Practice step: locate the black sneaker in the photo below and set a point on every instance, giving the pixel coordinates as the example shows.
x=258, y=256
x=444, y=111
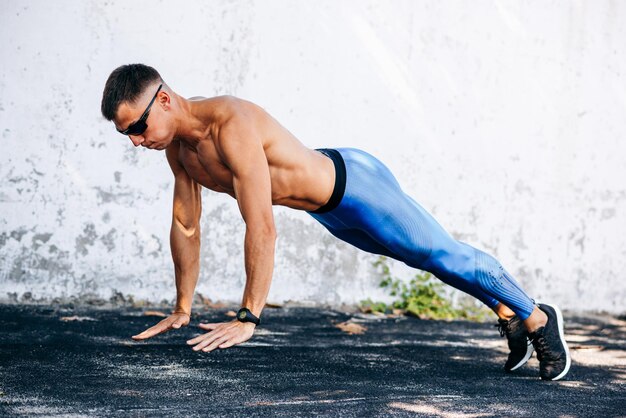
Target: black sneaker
x=549, y=342
x=517, y=338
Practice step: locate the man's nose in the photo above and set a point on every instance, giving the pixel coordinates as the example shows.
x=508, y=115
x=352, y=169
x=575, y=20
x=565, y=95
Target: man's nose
x=136, y=139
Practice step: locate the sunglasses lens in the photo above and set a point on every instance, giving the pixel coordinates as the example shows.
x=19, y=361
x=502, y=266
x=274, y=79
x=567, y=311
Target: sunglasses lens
x=136, y=128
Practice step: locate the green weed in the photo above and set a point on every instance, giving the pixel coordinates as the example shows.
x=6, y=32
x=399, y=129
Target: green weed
x=421, y=297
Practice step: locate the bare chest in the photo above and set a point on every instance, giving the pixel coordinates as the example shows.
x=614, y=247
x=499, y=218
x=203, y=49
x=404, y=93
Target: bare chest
x=205, y=166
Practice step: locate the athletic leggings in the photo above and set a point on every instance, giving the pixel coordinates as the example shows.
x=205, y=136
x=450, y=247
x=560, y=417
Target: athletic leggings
x=369, y=210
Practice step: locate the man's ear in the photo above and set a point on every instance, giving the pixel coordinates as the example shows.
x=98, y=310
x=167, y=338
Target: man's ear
x=164, y=100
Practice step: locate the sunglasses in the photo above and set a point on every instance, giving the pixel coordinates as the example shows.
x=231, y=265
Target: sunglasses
x=139, y=127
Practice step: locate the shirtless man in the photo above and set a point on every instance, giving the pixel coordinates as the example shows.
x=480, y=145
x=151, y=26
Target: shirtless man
x=233, y=146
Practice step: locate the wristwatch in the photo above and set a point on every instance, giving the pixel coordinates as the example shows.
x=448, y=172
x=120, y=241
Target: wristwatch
x=244, y=315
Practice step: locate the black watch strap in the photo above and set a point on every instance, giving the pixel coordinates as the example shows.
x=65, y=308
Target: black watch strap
x=244, y=315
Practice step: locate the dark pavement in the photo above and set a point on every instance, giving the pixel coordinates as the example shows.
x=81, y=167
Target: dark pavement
x=297, y=364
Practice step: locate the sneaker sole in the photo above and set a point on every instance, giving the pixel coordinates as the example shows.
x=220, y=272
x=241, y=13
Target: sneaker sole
x=568, y=359
x=529, y=352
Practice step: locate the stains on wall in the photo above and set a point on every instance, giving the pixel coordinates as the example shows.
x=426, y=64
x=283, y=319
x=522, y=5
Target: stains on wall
x=109, y=239
x=40, y=239
x=86, y=239
x=25, y=253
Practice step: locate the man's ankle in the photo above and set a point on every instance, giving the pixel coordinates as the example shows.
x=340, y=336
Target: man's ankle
x=504, y=312
x=536, y=320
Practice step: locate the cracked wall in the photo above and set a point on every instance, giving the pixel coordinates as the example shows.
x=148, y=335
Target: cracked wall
x=504, y=120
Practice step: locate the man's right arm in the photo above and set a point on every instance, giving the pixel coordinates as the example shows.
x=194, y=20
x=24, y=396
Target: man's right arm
x=185, y=232
x=184, y=243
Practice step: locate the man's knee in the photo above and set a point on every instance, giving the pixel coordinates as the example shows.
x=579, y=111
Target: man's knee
x=469, y=264
x=489, y=272
x=456, y=259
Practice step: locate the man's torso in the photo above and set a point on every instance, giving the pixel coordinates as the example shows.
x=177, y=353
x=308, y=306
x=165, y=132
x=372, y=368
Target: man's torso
x=301, y=178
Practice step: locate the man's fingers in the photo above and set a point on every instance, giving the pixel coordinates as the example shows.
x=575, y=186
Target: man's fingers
x=197, y=339
x=220, y=334
x=164, y=325
x=180, y=322
x=201, y=337
x=228, y=343
x=210, y=337
x=150, y=332
x=217, y=342
x=208, y=326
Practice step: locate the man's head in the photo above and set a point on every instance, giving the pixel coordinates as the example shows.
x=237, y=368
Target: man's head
x=137, y=100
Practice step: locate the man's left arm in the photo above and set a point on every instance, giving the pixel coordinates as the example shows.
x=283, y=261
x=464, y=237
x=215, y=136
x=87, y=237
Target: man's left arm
x=242, y=151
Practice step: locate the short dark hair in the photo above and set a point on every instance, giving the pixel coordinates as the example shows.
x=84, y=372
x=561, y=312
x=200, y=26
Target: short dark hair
x=125, y=84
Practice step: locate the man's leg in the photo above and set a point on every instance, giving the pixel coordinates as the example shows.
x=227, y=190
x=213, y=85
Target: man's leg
x=375, y=205
x=508, y=323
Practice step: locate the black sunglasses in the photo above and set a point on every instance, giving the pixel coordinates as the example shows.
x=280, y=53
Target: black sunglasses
x=139, y=127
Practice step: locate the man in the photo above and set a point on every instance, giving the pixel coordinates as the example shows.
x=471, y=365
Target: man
x=232, y=146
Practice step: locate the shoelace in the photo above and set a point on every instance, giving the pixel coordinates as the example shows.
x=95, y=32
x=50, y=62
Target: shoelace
x=504, y=327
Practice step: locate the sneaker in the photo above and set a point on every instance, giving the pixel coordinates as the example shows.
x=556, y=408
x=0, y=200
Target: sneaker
x=517, y=338
x=549, y=342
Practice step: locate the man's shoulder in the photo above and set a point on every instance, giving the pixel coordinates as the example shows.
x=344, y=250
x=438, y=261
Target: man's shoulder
x=238, y=113
x=227, y=108
x=226, y=100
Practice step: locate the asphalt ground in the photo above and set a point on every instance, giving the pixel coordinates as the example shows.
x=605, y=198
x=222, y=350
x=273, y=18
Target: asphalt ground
x=60, y=361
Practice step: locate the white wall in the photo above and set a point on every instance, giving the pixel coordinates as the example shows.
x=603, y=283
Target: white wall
x=506, y=120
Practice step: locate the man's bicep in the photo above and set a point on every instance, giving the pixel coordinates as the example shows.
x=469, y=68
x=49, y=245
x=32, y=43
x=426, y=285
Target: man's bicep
x=243, y=153
x=254, y=197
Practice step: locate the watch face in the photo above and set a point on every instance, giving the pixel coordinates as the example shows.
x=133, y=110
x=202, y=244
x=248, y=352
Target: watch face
x=242, y=314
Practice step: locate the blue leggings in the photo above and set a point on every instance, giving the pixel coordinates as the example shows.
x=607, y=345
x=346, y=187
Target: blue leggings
x=369, y=210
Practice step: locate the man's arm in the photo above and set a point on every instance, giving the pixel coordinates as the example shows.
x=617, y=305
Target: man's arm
x=185, y=233
x=184, y=243
x=241, y=149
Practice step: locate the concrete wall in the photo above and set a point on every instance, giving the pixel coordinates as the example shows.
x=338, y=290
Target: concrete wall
x=506, y=120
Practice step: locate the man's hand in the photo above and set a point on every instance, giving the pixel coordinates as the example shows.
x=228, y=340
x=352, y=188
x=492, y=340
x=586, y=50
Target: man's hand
x=174, y=321
x=222, y=335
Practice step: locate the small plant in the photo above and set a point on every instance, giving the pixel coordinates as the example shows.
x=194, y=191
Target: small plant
x=421, y=297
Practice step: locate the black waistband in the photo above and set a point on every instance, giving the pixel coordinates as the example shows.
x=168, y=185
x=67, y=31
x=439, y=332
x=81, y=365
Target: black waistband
x=340, y=180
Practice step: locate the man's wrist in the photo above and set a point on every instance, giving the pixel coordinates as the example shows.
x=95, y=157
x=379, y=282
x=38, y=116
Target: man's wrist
x=246, y=315
x=253, y=307
x=182, y=310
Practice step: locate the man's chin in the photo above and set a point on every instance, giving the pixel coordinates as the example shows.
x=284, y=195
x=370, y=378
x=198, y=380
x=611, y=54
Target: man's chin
x=161, y=147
